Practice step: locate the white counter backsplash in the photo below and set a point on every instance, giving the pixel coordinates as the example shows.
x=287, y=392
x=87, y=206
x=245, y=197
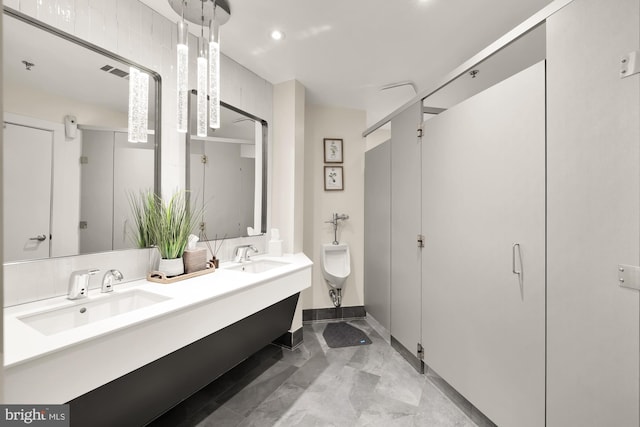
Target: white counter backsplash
x=29, y=281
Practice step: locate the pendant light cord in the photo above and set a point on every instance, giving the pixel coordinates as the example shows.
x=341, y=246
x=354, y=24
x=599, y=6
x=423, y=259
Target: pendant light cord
x=202, y=20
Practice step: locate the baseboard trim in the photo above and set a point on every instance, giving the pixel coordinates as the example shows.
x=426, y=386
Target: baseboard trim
x=417, y=364
x=289, y=340
x=335, y=313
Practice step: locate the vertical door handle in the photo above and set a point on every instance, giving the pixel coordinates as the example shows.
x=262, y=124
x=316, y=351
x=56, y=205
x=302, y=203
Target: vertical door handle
x=513, y=258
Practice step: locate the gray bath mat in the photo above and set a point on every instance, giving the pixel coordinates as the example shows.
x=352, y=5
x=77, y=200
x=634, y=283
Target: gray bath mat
x=343, y=334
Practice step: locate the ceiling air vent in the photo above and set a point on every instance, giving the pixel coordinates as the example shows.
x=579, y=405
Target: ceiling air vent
x=115, y=71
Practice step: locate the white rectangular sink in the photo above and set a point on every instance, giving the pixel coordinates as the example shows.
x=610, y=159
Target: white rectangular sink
x=53, y=321
x=258, y=266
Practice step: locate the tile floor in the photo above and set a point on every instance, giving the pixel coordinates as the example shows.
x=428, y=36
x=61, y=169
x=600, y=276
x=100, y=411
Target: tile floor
x=314, y=385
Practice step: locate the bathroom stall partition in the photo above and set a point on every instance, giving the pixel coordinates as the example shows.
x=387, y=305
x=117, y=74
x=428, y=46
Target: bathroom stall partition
x=593, y=338
x=483, y=205
x=406, y=265
x=377, y=233
x=524, y=311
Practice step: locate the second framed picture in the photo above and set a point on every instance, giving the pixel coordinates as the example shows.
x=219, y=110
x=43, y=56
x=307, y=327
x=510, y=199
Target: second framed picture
x=332, y=150
x=333, y=180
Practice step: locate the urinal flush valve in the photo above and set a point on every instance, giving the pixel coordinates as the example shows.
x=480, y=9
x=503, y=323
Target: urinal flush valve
x=334, y=221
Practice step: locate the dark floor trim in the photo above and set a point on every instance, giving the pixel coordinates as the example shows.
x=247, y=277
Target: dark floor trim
x=336, y=313
x=459, y=400
x=289, y=340
x=417, y=364
x=142, y=395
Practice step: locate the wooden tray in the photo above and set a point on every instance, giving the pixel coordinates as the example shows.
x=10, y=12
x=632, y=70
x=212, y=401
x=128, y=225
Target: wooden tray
x=159, y=277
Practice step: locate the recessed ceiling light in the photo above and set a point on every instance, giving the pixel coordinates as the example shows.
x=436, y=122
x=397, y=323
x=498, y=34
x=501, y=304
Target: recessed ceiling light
x=277, y=35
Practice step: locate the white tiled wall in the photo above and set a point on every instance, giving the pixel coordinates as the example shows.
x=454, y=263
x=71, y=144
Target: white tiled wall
x=136, y=32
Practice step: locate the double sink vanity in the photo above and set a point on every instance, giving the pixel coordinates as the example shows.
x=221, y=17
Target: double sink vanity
x=148, y=343
x=124, y=357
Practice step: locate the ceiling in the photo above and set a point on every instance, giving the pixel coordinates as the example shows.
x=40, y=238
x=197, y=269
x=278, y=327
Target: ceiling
x=343, y=51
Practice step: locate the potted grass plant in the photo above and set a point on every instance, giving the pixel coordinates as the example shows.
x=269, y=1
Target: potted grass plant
x=165, y=225
x=175, y=222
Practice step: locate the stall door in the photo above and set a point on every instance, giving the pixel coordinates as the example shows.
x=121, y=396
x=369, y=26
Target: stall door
x=26, y=169
x=483, y=269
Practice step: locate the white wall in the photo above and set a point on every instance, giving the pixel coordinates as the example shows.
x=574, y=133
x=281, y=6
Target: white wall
x=378, y=137
x=24, y=100
x=288, y=170
x=288, y=163
x=347, y=124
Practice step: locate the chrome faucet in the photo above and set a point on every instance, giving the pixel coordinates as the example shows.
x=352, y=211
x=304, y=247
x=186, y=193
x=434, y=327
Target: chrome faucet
x=107, y=279
x=79, y=283
x=242, y=252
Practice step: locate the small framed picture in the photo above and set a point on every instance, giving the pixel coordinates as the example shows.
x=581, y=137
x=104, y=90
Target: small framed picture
x=333, y=180
x=332, y=150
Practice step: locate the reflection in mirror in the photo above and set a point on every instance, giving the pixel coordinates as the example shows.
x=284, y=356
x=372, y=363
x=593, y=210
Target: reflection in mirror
x=226, y=173
x=67, y=165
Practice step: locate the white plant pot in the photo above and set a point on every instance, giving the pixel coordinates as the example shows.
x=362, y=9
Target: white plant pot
x=171, y=267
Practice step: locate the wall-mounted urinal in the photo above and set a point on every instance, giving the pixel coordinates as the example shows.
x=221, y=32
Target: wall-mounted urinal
x=336, y=267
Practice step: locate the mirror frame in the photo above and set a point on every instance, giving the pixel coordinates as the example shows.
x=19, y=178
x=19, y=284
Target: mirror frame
x=265, y=157
x=97, y=49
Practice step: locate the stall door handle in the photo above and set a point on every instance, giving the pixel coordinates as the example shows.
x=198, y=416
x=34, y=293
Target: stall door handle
x=39, y=238
x=513, y=259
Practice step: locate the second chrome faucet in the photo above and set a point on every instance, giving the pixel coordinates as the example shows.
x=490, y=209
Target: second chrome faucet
x=242, y=252
x=107, y=279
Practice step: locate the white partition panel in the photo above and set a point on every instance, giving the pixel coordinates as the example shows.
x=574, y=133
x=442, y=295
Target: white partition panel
x=483, y=185
x=377, y=233
x=593, y=215
x=405, y=227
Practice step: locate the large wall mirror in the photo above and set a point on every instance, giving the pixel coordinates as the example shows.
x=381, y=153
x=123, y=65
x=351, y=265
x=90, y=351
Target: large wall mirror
x=226, y=173
x=66, y=188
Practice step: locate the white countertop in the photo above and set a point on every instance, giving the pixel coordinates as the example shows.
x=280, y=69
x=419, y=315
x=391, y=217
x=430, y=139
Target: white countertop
x=22, y=343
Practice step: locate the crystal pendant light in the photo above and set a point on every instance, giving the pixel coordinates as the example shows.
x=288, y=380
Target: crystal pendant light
x=214, y=72
x=201, y=100
x=183, y=75
x=138, y=105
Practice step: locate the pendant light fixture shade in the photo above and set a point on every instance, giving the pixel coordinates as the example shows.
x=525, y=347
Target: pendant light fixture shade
x=202, y=88
x=214, y=76
x=200, y=13
x=202, y=70
x=182, y=76
x=138, y=105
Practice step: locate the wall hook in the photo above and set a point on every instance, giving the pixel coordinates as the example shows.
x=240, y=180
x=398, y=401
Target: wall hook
x=28, y=65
